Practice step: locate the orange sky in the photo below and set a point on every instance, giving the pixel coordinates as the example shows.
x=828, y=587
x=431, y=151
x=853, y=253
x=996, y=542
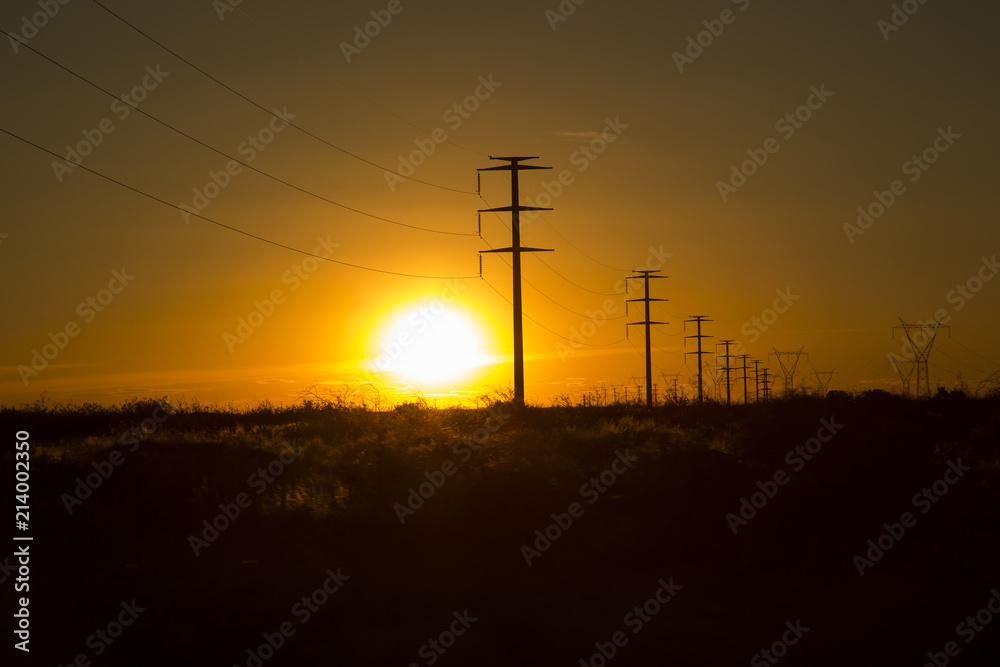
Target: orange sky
x=733, y=165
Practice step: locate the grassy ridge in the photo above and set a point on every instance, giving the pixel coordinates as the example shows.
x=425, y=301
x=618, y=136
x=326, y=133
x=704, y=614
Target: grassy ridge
x=337, y=505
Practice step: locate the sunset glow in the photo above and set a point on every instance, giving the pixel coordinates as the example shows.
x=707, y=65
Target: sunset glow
x=431, y=345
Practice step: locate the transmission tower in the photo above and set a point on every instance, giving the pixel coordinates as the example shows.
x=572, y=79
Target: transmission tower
x=823, y=379
x=921, y=343
x=904, y=369
x=645, y=275
x=698, y=319
x=516, y=249
x=788, y=370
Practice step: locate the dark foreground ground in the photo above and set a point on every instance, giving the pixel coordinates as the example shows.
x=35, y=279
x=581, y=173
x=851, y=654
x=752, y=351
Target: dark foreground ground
x=932, y=567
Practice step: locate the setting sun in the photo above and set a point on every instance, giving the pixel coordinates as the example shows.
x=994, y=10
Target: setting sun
x=429, y=344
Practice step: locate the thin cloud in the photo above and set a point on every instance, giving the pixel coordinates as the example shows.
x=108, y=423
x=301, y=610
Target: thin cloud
x=588, y=134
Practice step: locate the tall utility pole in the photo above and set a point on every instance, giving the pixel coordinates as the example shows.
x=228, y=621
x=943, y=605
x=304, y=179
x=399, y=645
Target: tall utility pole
x=744, y=357
x=516, y=249
x=645, y=275
x=756, y=380
x=698, y=319
x=921, y=344
x=727, y=357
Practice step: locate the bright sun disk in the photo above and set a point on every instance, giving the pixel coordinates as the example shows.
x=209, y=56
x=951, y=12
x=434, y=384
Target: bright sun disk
x=429, y=346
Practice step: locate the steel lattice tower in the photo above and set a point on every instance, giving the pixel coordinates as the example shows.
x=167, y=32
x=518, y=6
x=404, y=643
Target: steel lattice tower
x=921, y=350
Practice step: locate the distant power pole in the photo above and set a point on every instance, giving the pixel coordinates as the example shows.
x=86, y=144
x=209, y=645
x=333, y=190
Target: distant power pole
x=698, y=319
x=756, y=380
x=727, y=357
x=675, y=376
x=767, y=384
x=516, y=249
x=744, y=357
x=921, y=344
x=645, y=275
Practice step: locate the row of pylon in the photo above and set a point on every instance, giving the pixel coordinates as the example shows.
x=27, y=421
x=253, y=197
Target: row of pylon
x=762, y=376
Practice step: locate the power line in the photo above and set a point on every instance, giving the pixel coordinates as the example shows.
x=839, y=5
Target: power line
x=228, y=157
x=268, y=111
x=546, y=265
x=568, y=310
x=958, y=361
x=229, y=227
x=655, y=365
x=500, y=294
x=334, y=78
x=574, y=283
x=974, y=352
x=572, y=245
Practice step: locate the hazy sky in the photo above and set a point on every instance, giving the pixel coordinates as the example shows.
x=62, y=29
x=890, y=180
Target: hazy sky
x=729, y=143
